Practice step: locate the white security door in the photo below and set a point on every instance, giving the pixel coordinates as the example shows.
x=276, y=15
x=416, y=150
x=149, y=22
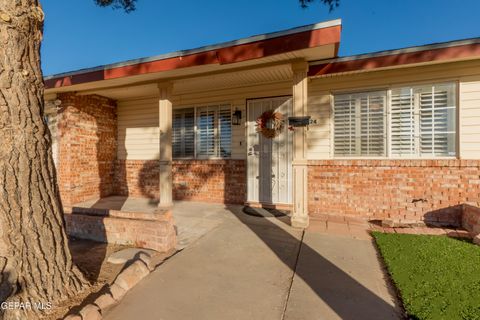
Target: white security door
x=269, y=160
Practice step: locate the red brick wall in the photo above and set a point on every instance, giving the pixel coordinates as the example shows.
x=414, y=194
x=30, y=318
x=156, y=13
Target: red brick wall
x=87, y=128
x=137, y=178
x=220, y=181
x=406, y=190
x=154, y=231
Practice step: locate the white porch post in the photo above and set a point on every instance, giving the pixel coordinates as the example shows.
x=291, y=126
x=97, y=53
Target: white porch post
x=165, y=157
x=300, y=217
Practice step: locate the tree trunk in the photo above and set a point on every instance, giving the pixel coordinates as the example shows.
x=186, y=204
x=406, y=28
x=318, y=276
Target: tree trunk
x=35, y=262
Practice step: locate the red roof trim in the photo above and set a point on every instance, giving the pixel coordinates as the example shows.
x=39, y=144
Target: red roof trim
x=441, y=54
x=233, y=54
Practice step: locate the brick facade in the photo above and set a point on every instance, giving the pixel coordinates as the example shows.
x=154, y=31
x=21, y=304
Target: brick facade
x=220, y=181
x=403, y=190
x=87, y=135
x=137, y=178
x=152, y=231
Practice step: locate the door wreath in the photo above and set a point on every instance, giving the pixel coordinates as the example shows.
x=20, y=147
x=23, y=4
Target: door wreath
x=270, y=117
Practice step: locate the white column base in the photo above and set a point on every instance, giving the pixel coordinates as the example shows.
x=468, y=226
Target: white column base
x=300, y=221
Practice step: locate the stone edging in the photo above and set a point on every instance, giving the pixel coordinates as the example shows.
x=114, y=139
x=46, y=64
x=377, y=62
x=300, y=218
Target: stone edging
x=138, y=268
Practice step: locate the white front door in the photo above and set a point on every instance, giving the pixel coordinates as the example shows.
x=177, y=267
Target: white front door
x=269, y=160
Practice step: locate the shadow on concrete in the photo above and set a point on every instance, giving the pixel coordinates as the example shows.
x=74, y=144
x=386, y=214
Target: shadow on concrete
x=348, y=298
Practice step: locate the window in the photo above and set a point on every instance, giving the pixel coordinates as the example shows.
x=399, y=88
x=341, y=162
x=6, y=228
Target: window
x=421, y=122
x=203, y=132
x=183, y=133
x=359, y=124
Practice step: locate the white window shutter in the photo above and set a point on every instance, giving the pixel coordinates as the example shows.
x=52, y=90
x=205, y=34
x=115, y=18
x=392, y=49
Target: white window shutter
x=177, y=125
x=437, y=120
x=359, y=124
x=224, y=131
x=183, y=133
x=189, y=133
x=344, y=125
x=373, y=120
x=402, y=122
x=206, y=146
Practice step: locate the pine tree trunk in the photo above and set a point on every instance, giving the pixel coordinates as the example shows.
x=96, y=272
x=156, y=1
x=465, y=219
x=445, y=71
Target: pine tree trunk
x=35, y=262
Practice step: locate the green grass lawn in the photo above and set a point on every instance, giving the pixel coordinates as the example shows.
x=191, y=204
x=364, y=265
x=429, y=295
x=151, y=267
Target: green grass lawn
x=437, y=277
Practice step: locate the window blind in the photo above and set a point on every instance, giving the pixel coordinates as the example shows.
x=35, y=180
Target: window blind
x=344, y=125
x=402, y=122
x=372, y=120
x=423, y=121
x=214, y=131
x=359, y=124
x=183, y=133
x=437, y=120
x=225, y=131
x=206, y=131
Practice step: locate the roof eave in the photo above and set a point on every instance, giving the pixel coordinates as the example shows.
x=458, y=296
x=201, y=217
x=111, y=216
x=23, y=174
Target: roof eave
x=226, y=53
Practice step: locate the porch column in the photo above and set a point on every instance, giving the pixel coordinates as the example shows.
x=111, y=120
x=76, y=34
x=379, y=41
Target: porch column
x=300, y=95
x=165, y=156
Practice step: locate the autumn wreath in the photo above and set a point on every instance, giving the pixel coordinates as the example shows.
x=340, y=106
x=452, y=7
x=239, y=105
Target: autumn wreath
x=270, y=124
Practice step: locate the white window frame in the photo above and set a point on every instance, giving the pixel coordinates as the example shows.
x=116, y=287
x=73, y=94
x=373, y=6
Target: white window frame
x=195, y=108
x=388, y=152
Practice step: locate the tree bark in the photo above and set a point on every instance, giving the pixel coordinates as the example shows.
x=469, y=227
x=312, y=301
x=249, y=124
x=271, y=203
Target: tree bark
x=35, y=262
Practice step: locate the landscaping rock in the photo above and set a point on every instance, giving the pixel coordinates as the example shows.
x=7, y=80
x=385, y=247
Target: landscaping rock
x=388, y=223
x=147, y=259
x=476, y=239
x=117, y=292
x=129, y=277
x=73, y=317
x=90, y=312
x=122, y=256
x=104, y=301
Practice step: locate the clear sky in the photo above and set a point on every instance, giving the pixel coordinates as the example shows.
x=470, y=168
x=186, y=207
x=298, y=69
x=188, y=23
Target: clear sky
x=79, y=34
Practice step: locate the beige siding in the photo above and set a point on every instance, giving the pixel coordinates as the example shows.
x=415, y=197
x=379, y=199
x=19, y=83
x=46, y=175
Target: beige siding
x=470, y=117
x=138, y=133
x=466, y=73
x=138, y=119
x=237, y=97
x=318, y=135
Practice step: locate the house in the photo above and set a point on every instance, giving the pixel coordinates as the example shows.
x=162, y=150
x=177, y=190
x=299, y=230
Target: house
x=277, y=120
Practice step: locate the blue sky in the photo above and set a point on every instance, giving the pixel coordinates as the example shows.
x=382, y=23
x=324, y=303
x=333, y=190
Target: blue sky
x=79, y=35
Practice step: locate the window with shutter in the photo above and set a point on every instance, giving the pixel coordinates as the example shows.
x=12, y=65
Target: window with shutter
x=183, y=133
x=359, y=124
x=372, y=122
x=402, y=122
x=206, y=131
x=225, y=131
x=344, y=125
x=437, y=120
x=214, y=131
x=422, y=122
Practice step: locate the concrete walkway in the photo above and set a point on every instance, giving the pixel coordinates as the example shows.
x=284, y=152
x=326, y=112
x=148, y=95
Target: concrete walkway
x=243, y=267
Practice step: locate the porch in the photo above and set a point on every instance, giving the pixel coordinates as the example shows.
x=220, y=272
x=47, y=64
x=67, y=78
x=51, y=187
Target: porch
x=192, y=220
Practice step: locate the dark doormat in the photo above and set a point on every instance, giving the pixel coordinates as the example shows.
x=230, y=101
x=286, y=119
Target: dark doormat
x=264, y=212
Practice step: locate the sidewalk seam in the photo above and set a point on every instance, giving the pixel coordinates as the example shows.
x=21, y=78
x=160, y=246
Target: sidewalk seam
x=293, y=276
